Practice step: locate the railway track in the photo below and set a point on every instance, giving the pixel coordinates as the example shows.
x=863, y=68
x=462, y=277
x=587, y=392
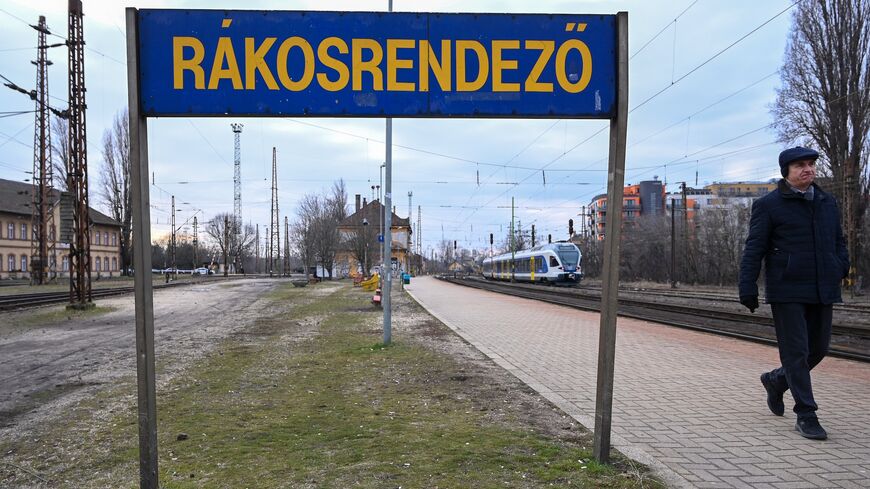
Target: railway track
x=713, y=296
x=848, y=341
x=37, y=299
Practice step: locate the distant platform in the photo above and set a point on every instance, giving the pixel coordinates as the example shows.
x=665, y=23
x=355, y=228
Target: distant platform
x=688, y=404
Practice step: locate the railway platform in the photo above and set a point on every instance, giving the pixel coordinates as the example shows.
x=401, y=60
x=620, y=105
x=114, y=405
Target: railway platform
x=688, y=404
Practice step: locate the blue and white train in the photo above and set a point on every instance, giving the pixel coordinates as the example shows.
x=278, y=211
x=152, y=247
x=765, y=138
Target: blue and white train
x=556, y=263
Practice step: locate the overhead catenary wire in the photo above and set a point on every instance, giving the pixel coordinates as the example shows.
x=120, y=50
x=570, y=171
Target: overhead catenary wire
x=711, y=58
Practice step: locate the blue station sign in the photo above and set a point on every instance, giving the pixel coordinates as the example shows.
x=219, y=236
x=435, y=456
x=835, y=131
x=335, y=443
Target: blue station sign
x=376, y=64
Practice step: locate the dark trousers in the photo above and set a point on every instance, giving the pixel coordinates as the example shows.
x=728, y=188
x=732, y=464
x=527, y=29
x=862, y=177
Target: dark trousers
x=803, y=333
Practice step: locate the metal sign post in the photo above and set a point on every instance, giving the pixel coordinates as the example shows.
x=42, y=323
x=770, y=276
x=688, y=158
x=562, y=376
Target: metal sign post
x=613, y=227
x=142, y=265
x=387, y=265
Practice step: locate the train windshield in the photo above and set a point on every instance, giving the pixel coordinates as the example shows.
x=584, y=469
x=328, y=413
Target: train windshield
x=569, y=257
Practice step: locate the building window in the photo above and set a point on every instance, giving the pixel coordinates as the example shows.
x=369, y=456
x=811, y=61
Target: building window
x=106, y=238
x=114, y=239
x=23, y=231
x=10, y=231
x=106, y=264
x=97, y=264
x=97, y=238
x=114, y=263
x=23, y=263
x=65, y=264
x=51, y=233
x=10, y=263
x=1, y=263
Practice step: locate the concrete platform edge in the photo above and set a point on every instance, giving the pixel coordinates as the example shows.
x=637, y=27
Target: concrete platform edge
x=666, y=474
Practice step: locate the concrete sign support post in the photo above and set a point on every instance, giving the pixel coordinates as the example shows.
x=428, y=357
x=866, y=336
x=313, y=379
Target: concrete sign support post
x=142, y=265
x=613, y=228
x=387, y=269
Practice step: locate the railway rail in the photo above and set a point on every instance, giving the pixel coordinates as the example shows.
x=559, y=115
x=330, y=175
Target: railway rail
x=37, y=299
x=848, y=341
x=713, y=296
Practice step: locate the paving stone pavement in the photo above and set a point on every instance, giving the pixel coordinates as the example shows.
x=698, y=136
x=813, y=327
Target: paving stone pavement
x=688, y=404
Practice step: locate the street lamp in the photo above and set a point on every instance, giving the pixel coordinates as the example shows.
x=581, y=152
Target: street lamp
x=381, y=181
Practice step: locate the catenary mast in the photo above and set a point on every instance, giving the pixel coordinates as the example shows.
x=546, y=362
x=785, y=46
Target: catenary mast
x=77, y=167
x=43, y=260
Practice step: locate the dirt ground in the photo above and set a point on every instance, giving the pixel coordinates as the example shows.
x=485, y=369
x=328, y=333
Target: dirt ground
x=47, y=366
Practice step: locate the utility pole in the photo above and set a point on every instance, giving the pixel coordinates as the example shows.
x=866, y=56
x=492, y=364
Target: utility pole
x=533, y=235
x=43, y=262
x=237, y=195
x=410, y=254
x=257, y=250
x=420, y=236
x=77, y=167
x=172, y=244
x=513, y=253
x=275, y=236
x=286, y=267
x=685, y=233
x=491, y=255
x=673, y=244
x=195, y=244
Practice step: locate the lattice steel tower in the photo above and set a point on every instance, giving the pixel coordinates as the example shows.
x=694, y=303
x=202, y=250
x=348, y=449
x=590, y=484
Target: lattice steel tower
x=237, y=196
x=275, y=236
x=43, y=262
x=77, y=167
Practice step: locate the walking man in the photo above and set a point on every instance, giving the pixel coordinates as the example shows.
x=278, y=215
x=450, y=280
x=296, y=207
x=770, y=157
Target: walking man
x=796, y=230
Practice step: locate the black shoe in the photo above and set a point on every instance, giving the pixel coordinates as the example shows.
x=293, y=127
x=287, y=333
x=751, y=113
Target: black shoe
x=774, y=396
x=809, y=427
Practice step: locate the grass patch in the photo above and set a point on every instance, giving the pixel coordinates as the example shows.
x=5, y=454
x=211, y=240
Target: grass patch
x=309, y=398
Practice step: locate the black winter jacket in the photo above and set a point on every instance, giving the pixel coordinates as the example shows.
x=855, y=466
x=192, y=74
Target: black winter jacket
x=802, y=245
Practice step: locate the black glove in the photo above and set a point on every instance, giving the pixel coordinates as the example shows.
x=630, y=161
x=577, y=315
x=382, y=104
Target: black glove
x=750, y=301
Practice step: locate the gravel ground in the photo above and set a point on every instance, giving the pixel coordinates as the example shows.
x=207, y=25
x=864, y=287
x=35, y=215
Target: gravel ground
x=48, y=367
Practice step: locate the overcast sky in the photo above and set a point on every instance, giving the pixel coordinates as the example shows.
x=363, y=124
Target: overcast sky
x=674, y=136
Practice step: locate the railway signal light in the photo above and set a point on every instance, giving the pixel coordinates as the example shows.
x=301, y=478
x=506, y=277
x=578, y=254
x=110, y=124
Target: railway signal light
x=490, y=238
x=533, y=235
x=454, y=245
x=570, y=227
x=549, y=238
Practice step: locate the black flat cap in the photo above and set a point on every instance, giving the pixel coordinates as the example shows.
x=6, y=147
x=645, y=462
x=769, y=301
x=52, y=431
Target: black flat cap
x=795, y=154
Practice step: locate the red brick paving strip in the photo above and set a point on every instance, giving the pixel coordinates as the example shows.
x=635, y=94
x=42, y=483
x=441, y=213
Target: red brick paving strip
x=688, y=404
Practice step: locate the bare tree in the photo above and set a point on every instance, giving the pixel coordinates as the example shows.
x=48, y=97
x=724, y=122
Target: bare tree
x=324, y=218
x=333, y=212
x=304, y=237
x=720, y=234
x=363, y=245
x=59, y=151
x=222, y=231
x=592, y=251
x=114, y=188
x=825, y=98
x=644, y=245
